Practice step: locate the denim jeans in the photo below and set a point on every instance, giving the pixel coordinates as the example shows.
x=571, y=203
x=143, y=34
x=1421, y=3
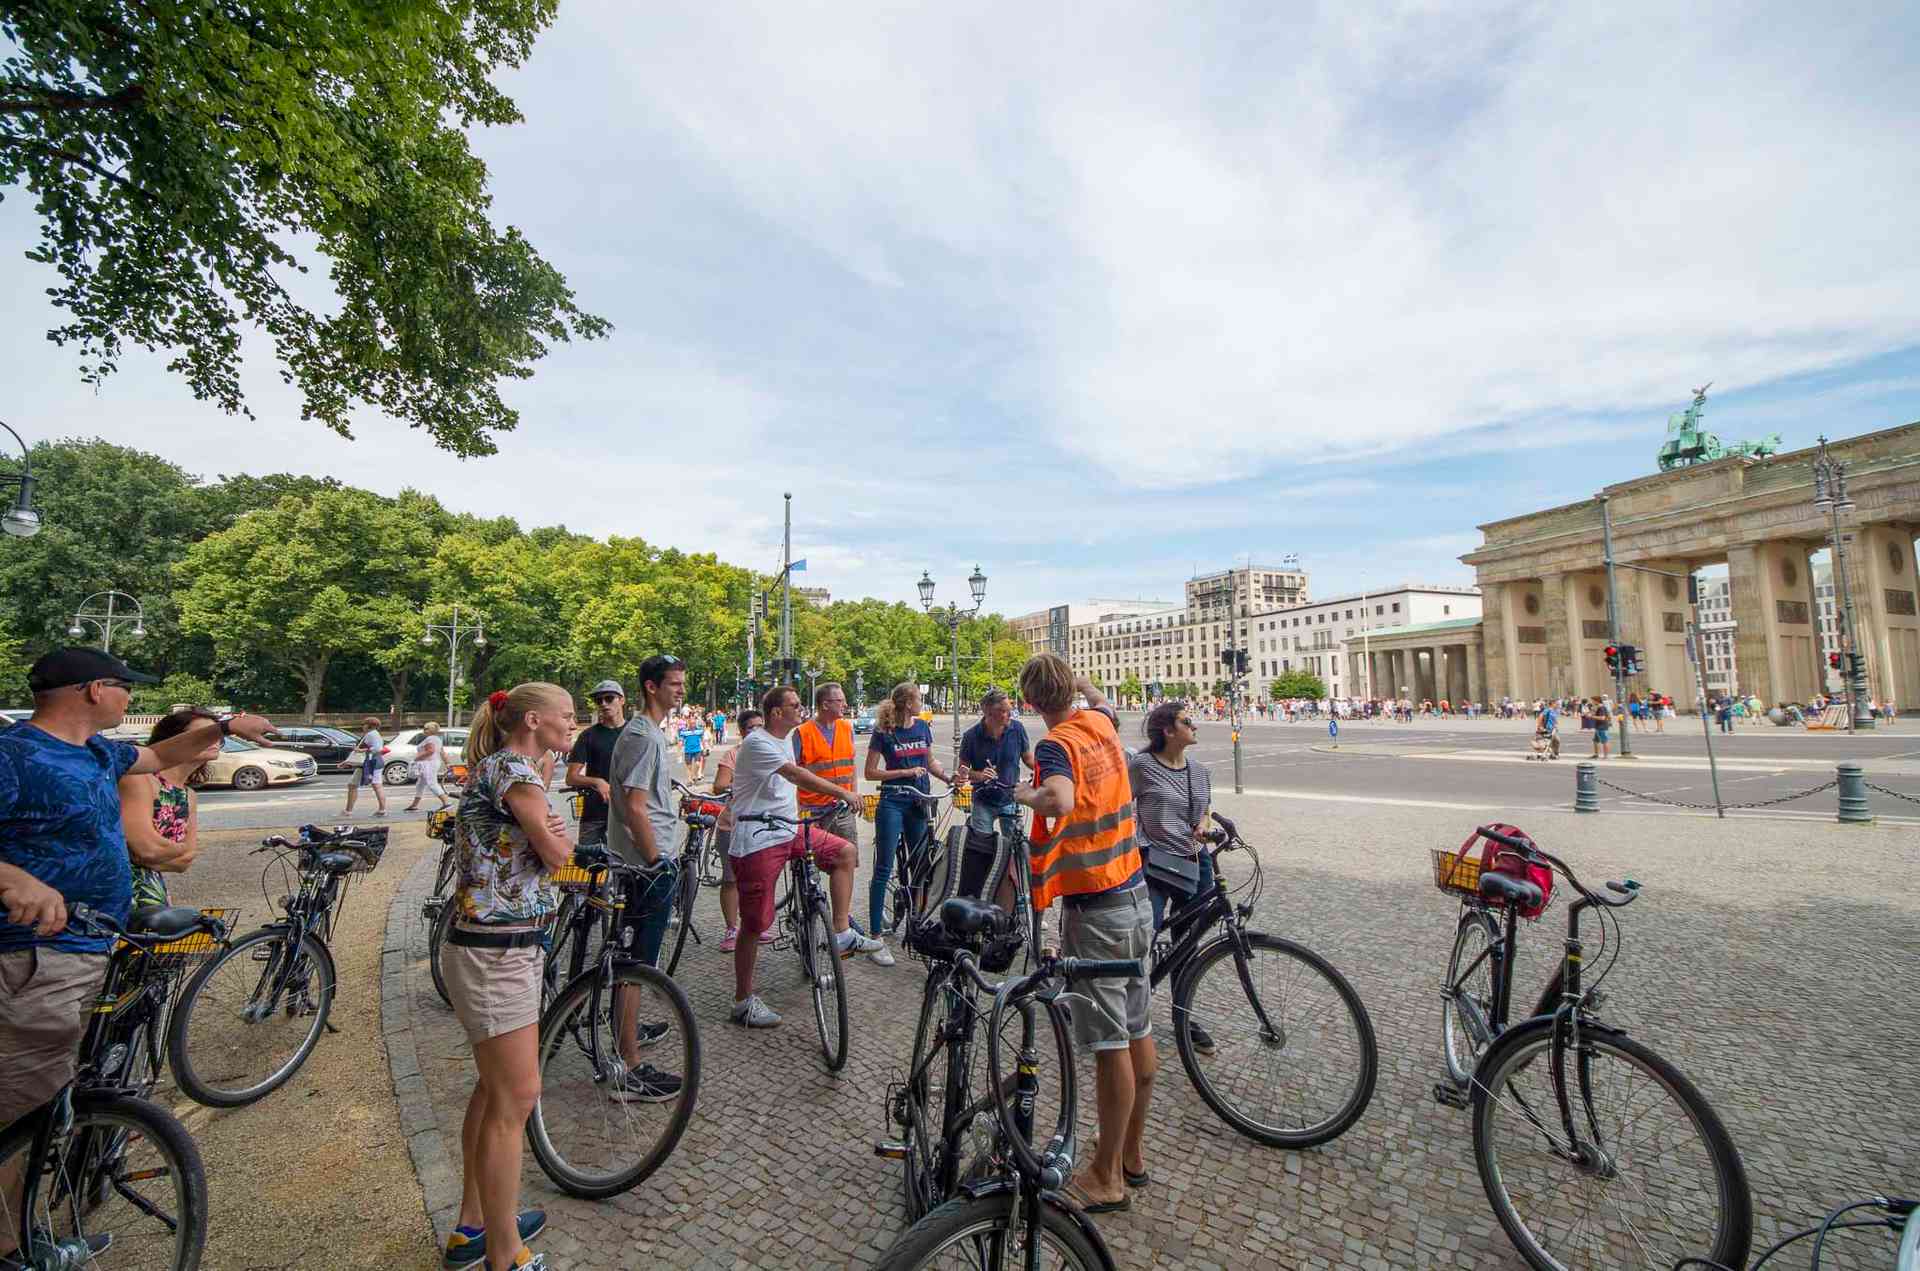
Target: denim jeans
x=1160, y=895
x=896, y=819
x=650, y=906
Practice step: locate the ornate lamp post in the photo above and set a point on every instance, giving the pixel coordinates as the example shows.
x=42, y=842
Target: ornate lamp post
x=1830, y=496
x=454, y=632
x=20, y=520
x=977, y=582
x=103, y=612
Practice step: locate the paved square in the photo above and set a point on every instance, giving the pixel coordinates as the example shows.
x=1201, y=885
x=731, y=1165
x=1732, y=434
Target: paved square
x=1773, y=962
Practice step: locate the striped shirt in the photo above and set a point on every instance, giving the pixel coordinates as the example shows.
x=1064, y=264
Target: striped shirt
x=1168, y=803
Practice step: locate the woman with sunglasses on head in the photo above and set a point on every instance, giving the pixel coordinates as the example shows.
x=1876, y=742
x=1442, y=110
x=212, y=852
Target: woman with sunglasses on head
x=509, y=841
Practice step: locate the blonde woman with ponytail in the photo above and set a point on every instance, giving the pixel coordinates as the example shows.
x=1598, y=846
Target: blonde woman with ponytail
x=509, y=842
x=899, y=757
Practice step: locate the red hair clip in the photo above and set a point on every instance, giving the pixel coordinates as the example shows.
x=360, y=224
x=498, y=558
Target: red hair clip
x=498, y=699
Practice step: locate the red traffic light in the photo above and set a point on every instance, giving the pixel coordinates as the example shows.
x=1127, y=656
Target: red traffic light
x=1833, y=660
x=1613, y=651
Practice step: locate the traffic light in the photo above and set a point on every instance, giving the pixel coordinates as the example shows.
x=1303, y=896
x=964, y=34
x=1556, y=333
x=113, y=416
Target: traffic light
x=1613, y=658
x=1240, y=661
x=1856, y=664
x=1630, y=659
x=1833, y=660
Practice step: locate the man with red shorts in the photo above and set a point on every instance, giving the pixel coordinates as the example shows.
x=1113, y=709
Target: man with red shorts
x=765, y=778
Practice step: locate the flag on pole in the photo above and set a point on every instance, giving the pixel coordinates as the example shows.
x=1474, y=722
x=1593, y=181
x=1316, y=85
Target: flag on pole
x=798, y=565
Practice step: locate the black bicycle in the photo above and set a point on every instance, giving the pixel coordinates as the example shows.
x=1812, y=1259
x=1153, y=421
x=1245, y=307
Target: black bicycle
x=806, y=923
x=605, y=1123
x=923, y=869
x=980, y=1194
x=437, y=910
x=1895, y=1214
x=250, y=1017
x=1273, y=1038
x=109, y=1179
x=1593, y=1150
x=701, y=813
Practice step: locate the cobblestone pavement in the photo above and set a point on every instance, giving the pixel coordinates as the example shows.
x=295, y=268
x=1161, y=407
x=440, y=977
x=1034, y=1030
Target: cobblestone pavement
x=1773, y=963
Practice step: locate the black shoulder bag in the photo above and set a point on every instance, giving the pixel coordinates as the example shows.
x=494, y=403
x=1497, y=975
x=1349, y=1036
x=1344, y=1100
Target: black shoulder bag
x=1170, y=870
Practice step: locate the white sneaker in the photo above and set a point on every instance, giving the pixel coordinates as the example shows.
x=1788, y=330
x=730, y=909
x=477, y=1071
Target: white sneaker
x=883, y=955
x=755, y=1013
x=850, y=942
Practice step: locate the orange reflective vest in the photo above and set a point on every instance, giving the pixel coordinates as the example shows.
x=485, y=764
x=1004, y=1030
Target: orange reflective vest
x=1090, y=849
x=832, y=759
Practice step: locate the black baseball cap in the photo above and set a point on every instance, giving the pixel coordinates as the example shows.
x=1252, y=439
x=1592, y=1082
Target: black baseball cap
x=63, y=668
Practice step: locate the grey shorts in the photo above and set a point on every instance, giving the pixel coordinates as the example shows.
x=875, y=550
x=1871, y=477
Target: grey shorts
x=1124, y=1008
x=44, y=996
x=494, y=991
x=843, y=821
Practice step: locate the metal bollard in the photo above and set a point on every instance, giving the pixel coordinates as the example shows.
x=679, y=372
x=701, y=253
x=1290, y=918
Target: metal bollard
x=1854, y=808
x=1586, y=794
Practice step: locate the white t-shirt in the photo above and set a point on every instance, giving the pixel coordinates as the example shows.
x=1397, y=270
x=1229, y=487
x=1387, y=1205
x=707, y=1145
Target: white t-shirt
x=758, y=789
x=426, y=756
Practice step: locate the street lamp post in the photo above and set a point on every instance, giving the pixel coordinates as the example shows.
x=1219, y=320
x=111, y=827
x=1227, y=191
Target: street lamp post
x=1830, y=496
x=977, y=581
x=102, y=612
x=20, y=520
x=454, y=632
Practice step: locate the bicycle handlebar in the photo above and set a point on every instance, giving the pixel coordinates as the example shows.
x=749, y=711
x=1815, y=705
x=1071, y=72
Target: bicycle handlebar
x=1534, y=853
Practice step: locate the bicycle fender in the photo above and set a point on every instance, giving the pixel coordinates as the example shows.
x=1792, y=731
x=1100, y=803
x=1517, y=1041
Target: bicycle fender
x=1002, y=1185
x=1520, y=1034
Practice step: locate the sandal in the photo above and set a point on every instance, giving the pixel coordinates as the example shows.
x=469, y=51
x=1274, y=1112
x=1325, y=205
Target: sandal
x=1087, y=1205
x=1142, y=1179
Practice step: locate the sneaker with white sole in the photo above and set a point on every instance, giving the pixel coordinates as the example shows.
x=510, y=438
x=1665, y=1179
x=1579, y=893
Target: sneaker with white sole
x=754, y=1013
x=850, y=942
x=648, y=1034
x=645, y=1084
x=467, y=1246
x=882, y=956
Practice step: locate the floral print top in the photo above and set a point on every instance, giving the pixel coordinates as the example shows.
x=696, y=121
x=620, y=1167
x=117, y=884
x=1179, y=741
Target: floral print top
x=501, y=879
x=171, y=811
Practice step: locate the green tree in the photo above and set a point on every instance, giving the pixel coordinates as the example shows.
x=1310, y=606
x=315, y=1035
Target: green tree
x=180, y=687
x=1297, y=684
x=13, y=670
x=303, y=582
x=176, y=151
x=1131, y=690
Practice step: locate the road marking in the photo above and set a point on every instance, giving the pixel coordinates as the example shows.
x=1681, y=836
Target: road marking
x=1314, y=797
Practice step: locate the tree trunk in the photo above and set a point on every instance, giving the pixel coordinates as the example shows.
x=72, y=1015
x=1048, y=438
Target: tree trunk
x=397, y=681
x=313, y=671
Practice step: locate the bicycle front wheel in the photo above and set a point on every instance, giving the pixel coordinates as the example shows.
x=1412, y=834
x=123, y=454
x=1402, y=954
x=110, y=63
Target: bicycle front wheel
x=1293, y=1060
x=1652, y=1177
x=967, y=1234
x=827, y=980
x=124, y=1170
x=1466, y=1009
x=604, y=1123
x=686, y=891
x=250, y=1017
x=436, y=941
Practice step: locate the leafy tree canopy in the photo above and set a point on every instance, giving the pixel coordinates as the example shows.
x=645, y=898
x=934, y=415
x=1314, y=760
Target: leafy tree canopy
x=177, y=148
x=1297, y=684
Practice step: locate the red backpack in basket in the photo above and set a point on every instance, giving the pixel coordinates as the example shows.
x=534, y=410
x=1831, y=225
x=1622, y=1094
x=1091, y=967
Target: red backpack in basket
x=1540, y=875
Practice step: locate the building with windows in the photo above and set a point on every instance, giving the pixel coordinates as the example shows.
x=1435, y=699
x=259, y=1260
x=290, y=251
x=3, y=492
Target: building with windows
x=1332, y=638
x=1719, y=655
x=1048, y=630
x=818, y=597
x=1245, y=590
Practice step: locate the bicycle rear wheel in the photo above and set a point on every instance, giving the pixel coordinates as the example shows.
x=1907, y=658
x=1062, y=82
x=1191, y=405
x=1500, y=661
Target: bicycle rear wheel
x=602, y=1125
x=686, y=891
x=436, y=940
x=1466, y=1027
x=449, y=860
x=250, y=1017
x=123, y=1169
x=1294, y=1060
x=826, y=981
x=965, y=1234
x=1656, y=1180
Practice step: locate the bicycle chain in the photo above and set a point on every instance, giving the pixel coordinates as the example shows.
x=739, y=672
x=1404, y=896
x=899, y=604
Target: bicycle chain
x=1708, y=807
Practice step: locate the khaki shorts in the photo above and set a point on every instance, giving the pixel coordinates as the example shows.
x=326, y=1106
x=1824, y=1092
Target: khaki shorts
x=493, y=991
x=44, y=996
x=842, y=822
x=1121, y=1010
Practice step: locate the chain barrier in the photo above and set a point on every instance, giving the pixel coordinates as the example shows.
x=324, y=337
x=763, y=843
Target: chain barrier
x=1731, y=807
x=1910, y=798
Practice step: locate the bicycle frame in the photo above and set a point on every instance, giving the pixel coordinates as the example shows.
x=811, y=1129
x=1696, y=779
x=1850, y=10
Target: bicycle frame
x=1190, y=923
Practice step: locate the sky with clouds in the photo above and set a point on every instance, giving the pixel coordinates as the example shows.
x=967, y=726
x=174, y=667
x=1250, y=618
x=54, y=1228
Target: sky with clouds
x=1099, y=296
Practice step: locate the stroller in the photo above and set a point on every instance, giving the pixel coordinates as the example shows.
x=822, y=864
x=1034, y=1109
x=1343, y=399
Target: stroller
x=1546, y=746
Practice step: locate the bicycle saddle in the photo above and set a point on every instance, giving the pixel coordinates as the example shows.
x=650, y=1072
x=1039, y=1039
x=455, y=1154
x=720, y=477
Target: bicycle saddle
x=961, y=917
x=1504, y=890
x=169, y=922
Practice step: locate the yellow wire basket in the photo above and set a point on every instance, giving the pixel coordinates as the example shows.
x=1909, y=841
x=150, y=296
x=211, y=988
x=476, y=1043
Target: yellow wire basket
x=200, y=942
x=869, y=804
x=572, y=877
x=963, y=797
x=1456, y=874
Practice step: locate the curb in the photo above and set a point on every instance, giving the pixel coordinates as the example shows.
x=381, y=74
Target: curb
x=400, y=957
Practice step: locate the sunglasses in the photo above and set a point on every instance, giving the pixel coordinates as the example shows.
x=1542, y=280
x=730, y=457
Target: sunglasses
x=604, y=698
x=120, y=684
x=1186, y=723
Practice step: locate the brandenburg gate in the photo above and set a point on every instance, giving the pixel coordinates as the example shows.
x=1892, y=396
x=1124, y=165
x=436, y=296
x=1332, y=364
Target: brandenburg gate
x=1544, y=588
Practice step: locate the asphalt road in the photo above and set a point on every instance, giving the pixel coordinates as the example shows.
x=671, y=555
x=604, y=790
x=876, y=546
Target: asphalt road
x=1445, y=764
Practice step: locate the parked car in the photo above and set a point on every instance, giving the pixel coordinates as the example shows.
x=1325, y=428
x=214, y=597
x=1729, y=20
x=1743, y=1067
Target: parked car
x=327, y=747
x=245, y=766
x=11, y=717
x=400, y=751
x=863, y=722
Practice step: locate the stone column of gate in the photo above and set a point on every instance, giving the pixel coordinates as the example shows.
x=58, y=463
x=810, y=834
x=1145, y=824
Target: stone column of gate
x=1882, y=572
x=1435, y=675
x=1662, y=601
x=1496, y=635
x=1456, y=674
x=1753, y=612
x=1810, y=593
x=1476, y=674
x=1555, y=613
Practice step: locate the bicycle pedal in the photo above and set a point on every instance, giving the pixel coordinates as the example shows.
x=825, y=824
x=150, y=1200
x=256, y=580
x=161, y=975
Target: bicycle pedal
x=1448, y=1095
x=890, y=1150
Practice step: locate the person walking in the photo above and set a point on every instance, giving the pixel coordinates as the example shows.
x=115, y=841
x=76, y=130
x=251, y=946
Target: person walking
x=1601, y=713
x=899, y=757
x=370, y=749
x=427, y=757
x=765, y=781
x=159, y=813
x=724, y=761
x=1083, y=853
x=693, y=744
x=644, y=829
x=718, y=722
x=590, y=760
x=823, y=746
x=508, y=843
x=992, y=753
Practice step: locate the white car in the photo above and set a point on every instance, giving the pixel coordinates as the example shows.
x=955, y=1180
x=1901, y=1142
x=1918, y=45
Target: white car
x=398, y=769
x=245, y=766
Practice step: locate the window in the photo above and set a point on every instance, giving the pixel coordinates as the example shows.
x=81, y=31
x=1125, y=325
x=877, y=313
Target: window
x=1396, y=606
x=1378, y=610
x=1446, y=609
x=1349, y=613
